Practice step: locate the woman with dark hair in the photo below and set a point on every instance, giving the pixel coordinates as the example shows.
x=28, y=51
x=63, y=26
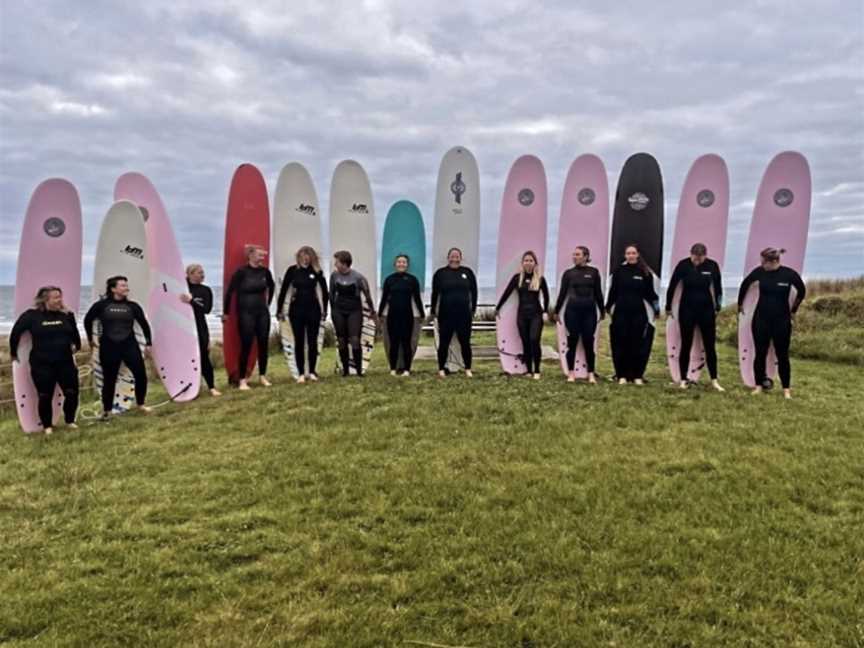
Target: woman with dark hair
x=201, y=299
x=117, y=344
x=630, y=290
x=772, y=318
x=454, y=301
x=582, y=289
x=307, y=308
x=530, y=285
x=701, y=300
x=254, y=286
x=55, y=340
x=400, y=296
x=348, y=288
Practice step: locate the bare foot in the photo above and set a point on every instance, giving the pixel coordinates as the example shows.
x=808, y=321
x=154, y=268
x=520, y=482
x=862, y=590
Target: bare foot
x=72, y=426
x=442, y=374
x=301, y=380
x=243, y=386
x=49, y=431
x=313, y=377
x=537, y=376
x=215, y=392
x=756, y=390
x=639, y=381
x=571, y=378
x=406, y=374
x=392, y=372
x=468, y=373
x=683, y=384
x=145, y=409
x=716, y=385
x=592, y=379
x=787, y=394
x=263, y=380
x=622, y=381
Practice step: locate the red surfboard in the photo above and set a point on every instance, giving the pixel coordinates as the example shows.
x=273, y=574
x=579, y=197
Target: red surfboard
x=247, y=222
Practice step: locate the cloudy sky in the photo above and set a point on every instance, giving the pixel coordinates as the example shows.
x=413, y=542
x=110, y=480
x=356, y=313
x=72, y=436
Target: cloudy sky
x=184, y=91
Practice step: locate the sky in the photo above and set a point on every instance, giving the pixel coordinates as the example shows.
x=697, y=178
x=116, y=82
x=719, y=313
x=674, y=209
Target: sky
x=185, y=91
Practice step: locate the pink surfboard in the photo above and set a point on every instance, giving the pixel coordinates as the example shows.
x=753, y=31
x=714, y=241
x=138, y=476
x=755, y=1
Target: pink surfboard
x=584, y=221
x=781, y=219
x=49, y=255
x=703, y=217
x=522, y=228
x=175, y=338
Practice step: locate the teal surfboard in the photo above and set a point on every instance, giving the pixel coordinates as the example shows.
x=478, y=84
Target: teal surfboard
x=404, y=234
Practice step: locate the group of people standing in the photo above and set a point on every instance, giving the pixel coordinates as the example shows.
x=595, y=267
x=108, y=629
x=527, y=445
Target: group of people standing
x=305, y=299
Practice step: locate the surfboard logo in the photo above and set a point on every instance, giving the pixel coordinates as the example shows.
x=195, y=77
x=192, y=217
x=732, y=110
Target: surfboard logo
x=705, y=198
x=360, y=208
x=783, y=197
x=306, y=209
x=526, y=197
x=134, y=251
x=457, y=188
x=54, y=227
x=638, y=201
x=586, y=196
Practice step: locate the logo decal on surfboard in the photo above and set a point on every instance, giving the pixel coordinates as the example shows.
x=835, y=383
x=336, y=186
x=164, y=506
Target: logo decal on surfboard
x=526, y=197
x=54, y=227
x=638, y=201
x=359, y=208
x=586, y=196
x=457, y=188
x=783, y=197
x=705, y=198
x=133, y=251
x=306, y=209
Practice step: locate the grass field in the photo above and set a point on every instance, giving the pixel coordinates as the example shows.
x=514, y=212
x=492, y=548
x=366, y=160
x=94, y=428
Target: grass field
x=417, y=512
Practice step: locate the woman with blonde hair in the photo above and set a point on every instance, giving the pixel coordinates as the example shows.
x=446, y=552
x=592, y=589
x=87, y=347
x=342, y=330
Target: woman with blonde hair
x=306, y=289
x=55, y=339
x=201, y=299
x=530, y=285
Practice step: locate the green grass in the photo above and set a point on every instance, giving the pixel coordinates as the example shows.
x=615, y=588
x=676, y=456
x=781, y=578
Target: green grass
x=487, y=512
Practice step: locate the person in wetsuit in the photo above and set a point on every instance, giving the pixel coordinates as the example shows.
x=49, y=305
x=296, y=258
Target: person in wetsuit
x=347, y=290
x=701, y=300
x=253, y=286
x=117, y=343
x=201, y=299
x=307, y=309
x=530, y=286
x=631, y=288
x=399, y=296
x=772, y=319
x=454, y=302
x=581, y=287
x=55, y=340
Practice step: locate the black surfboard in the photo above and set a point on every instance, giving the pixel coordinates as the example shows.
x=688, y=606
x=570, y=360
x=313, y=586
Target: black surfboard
x=638, y=215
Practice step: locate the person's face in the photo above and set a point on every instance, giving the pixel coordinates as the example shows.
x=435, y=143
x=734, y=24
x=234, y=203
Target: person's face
x=631, y=255
x=257, y=257
x=54, y=302
x=770, y=265
x=196, y=276
x=697, y=259
x=454, y=259
x=121, y=290
x=304, y=259
x=579, y=257
x=528, y=264
x=401, y=264
x=341, y=267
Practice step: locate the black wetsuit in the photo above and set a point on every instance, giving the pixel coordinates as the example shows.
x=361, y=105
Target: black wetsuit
x=631, y=333
x=117, y=344
x=582, y=289
x=346, y=293
x=701, y=300
x=55, y=339
x=304, y=311
x=399, y=292
x=454, y=301
x=529, y=316
x=772, y=319
x=202, y=304
x=254, y=288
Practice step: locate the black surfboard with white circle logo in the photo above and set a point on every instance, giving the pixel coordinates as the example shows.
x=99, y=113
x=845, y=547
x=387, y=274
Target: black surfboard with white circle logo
x=638, y=215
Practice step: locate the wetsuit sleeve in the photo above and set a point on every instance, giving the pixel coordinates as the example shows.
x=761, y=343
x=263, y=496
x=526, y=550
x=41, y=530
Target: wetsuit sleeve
x=563, y=289
x=598, y=293
x=271, y=287
x=232, y=288
x=283, y=290
x=142, y=322
x=613, y=291
x=473, y=281
x=76, y=336
x=511, y=286
x=651, y=295
x=674, y=280
x=333, y=290
x=207, y=306
x=364, y=288
x=418, y=298
x=436, y=288
x=91, y=316
x=544, y=291
x=325, y=295
x=717, y=280
x=385, y=295
x=745, y=286
x=800, y=288
x=22, y=325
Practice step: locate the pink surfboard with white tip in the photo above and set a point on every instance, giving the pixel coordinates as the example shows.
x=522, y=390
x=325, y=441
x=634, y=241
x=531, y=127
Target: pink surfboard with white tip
x=703, y=217
x=175, y=338
x=49, y=255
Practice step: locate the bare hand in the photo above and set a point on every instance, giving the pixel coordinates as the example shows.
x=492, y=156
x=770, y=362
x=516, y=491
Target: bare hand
x=186, y=298
x=224, y=318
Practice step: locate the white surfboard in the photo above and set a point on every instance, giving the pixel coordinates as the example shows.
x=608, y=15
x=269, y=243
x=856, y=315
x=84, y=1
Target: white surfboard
x=122, y=250
x=457, y=221
x=352, y=228
x=296, y=222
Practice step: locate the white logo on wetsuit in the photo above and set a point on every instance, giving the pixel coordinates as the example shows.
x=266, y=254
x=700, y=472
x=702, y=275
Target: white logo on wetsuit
x=704, y=272
x=464, y=276
x=785, y=285
x=638, y=278
x=311, y=276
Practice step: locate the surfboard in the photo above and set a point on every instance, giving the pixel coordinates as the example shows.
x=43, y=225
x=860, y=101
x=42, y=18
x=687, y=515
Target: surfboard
x=584, y=220
x=522, y=227
x=296, y=222
x=352, y=228
x=703, y=217
x=781, y=219
x=122, y=250
x=49, y=254
x=247, y=222
x=404, y=234
x=175, y=337
x=457, y=222
x=638, y=218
